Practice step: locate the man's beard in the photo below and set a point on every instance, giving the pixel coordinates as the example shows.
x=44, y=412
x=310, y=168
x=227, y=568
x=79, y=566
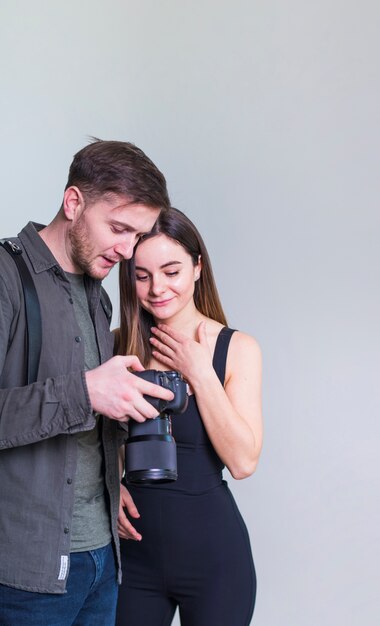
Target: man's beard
x=81, y=248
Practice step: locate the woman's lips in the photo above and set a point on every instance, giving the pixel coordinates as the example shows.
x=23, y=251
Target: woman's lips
x=159, y=303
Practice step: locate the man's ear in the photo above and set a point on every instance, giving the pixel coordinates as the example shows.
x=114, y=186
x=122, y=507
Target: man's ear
x=73, y=203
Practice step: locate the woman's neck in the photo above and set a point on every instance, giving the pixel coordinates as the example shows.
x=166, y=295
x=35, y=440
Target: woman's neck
x=185, y=322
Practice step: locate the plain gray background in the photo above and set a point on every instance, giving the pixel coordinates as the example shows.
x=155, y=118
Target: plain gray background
x=264, y=116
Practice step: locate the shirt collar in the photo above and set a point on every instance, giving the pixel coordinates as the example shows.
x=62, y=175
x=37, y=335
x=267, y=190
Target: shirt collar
x=39, y=254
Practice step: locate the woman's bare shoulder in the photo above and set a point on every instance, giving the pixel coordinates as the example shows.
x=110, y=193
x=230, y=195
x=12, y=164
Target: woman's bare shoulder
x=244, y=352
x=241, y=340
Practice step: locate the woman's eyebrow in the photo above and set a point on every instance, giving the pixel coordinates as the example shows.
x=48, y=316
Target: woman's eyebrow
x=140, y=267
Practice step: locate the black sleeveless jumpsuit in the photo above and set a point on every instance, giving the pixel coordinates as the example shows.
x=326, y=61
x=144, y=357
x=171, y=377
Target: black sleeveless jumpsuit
x=195, y=551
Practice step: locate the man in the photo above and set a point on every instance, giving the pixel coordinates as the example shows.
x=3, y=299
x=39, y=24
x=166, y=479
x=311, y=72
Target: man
x=59, y=554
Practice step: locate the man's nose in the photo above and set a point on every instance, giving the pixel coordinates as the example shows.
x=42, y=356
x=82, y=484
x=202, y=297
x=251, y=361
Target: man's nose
x=125, y=249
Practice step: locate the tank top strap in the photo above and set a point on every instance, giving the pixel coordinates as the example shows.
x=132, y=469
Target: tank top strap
x=220, y=353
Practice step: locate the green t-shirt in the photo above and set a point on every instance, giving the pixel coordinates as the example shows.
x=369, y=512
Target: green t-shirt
x=91, y=519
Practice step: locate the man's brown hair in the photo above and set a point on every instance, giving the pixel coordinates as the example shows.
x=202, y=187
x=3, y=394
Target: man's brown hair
x=121, y=168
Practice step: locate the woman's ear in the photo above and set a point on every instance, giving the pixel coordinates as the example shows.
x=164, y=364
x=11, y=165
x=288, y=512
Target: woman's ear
x=198, y=268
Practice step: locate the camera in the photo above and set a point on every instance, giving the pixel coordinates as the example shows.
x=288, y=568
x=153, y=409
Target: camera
x=150, y=450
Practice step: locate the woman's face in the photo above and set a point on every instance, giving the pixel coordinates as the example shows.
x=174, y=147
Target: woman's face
x=165, y=277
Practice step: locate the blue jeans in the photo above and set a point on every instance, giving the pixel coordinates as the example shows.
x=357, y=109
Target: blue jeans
x=90, y=598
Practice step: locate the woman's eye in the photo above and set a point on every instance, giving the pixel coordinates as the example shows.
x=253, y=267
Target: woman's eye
x=141, y=277
x=172, y=273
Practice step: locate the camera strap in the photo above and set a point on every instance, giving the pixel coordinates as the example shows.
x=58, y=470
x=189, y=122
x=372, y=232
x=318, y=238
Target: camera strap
x=32, y=311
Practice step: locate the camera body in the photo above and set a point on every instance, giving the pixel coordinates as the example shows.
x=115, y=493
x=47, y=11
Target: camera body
x=150, y=450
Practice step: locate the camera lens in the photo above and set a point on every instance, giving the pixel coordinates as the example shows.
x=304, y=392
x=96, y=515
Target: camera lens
x=150, y=452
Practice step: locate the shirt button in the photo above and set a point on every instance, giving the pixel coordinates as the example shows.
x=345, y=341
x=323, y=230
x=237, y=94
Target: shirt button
x=69, y=481
x=71, y=300
x=66, y=530
x=78, y=339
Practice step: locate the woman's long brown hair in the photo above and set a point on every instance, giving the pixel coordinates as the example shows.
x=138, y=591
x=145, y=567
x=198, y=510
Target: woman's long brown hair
x=135, y=322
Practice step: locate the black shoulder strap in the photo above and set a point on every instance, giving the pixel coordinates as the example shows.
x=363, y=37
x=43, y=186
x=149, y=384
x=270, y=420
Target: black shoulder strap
x=32, y=309
x=220, y=352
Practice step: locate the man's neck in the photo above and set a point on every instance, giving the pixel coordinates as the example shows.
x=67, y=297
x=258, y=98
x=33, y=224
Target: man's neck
x=55, y=235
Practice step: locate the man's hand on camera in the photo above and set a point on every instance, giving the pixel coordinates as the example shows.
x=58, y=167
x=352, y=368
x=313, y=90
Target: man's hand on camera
x=118, y=394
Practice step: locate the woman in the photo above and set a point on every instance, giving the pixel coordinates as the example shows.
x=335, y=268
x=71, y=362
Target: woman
x=191, y=546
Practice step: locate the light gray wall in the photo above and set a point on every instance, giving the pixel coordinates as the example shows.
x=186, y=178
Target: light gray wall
x=264, y=115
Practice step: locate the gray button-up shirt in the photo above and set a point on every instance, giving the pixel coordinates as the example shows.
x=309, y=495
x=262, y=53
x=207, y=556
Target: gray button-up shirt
x=38, y=455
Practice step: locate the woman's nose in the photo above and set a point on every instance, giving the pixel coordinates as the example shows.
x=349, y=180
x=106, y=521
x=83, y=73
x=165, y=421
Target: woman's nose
x=157, y=286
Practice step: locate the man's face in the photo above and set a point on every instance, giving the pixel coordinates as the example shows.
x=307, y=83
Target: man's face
x=105, y=232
